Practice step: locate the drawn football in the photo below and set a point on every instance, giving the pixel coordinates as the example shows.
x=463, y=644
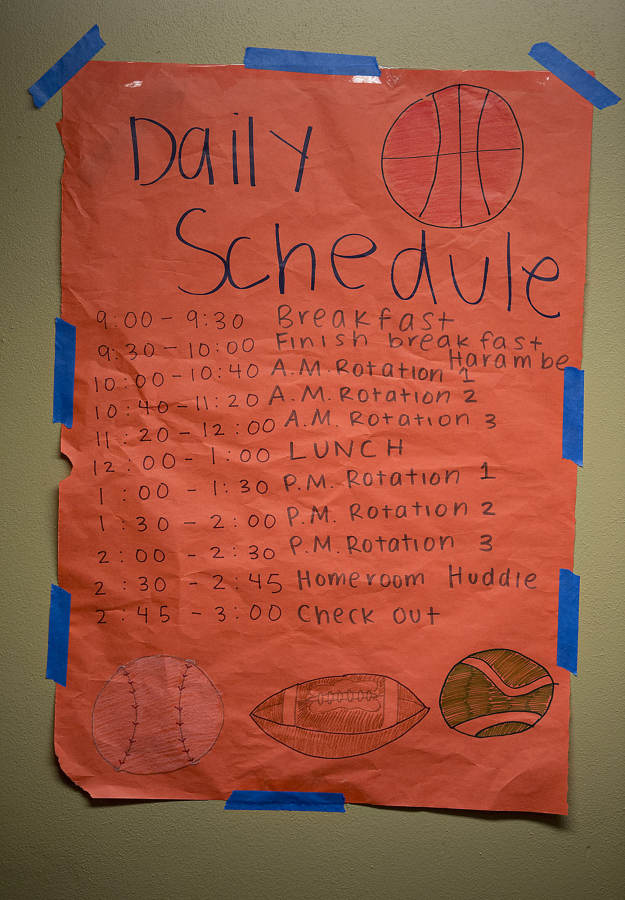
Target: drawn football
x=340, y=715
x=454, y=158
x=156, y=714
x=495, y=693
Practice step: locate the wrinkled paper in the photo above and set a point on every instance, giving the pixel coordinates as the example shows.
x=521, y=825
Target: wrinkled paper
x=318, y=506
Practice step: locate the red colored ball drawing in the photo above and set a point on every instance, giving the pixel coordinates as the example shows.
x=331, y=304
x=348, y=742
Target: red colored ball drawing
x=495, y=693
x=340, y=715
x=156, y=714
x=454, y=158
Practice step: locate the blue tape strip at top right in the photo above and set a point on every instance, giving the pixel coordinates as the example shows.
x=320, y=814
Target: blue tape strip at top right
x=573, y=75
x=312, y=63
x=302, y=801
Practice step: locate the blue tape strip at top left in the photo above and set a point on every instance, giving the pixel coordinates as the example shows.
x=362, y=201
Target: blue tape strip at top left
x=311, y=63
x=67, y=66
x=64, y=365
x=301, y=801
x=58, y=635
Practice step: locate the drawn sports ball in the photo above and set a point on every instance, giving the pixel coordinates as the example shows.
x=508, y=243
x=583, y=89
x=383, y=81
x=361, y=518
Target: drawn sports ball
x=454, y=158
x=341, y=715
x=156, y=714
x=495, y=693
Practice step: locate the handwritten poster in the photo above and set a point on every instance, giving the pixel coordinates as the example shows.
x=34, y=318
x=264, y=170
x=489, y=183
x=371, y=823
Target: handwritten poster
x=318, y=505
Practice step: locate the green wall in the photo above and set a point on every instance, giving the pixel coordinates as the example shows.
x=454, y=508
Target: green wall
x=59, y=844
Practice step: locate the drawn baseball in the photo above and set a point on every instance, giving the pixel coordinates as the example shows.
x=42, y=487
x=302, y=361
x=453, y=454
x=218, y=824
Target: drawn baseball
x=156, y=714
x=454, y=158
x=495, y=693
x=340, y=715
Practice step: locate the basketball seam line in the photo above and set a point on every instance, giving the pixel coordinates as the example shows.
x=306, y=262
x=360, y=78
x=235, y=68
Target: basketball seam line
x=477, y=151
x=456, y=153
x=460, y=154
x=440, y=138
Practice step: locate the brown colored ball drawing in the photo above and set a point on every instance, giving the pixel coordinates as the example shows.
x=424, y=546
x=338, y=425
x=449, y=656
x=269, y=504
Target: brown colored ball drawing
x=495, y=693
x=340, y=715
x=156, y=714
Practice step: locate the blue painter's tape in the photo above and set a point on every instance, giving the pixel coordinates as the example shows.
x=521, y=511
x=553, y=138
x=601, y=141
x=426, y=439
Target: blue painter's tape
x=573, y=415
x=64, y=364
x=301, y=801
x=568, y=620
x=67, y=66
x=573, y=75
x=58, y=635
x=314, y=63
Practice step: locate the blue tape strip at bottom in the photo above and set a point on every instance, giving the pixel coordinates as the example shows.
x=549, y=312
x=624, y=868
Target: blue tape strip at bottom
x=313, y=63
x=573, y=75
x=304, y=801
x=64, y=365
x=67, y=66
x=573, y=415
x=58, y=635
x=568, y=620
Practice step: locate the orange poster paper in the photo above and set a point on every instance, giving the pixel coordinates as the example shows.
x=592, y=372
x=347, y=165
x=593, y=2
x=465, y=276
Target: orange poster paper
x=318, y=505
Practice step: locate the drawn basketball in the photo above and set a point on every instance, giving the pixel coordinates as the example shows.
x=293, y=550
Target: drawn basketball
x=156, y=714
x=341, y=715
x=454, y=158
x=495, y=693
